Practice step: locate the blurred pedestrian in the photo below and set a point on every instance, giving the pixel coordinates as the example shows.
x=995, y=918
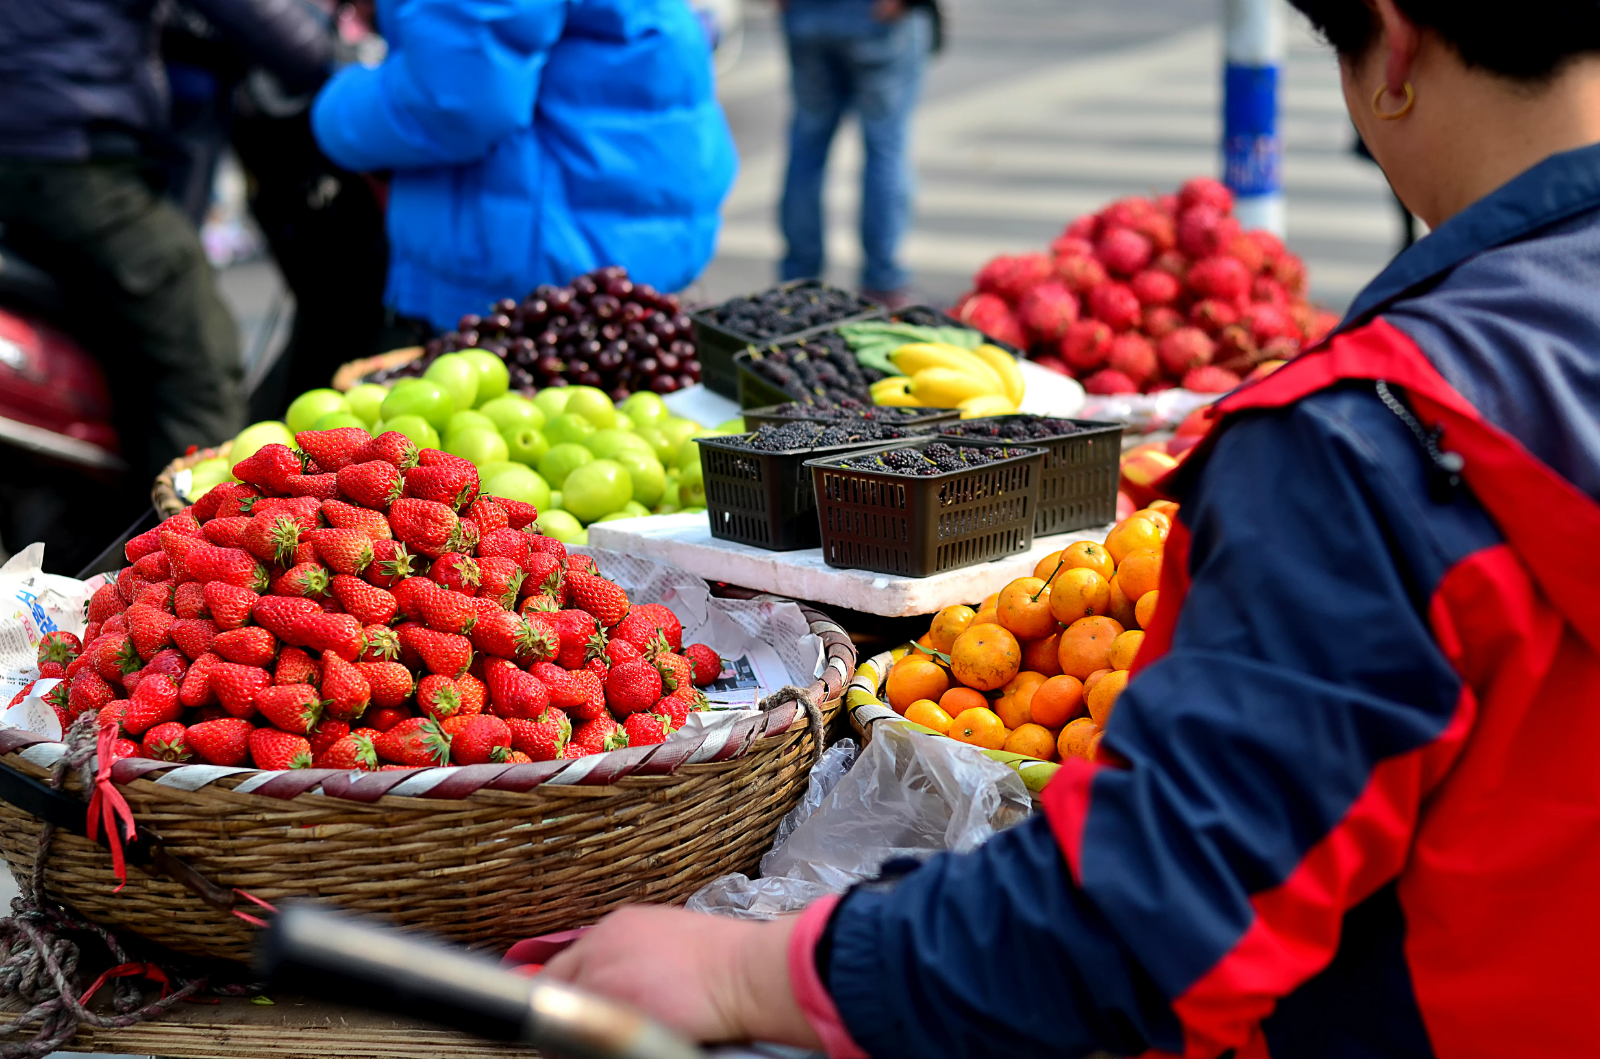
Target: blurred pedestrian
x=532, y=140
x=865, y=56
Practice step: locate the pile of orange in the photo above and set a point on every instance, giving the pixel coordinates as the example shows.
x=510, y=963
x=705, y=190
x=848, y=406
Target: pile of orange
x=1036, y=668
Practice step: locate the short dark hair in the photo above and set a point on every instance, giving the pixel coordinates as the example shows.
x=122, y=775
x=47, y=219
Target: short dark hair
x=1529, y=43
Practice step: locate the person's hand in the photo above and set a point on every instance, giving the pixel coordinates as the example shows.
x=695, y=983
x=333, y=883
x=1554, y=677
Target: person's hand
x=711, y=978
x=888, y=10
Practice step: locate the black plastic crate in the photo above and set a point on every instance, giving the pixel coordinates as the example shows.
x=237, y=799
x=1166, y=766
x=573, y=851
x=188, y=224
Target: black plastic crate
x=716, y=345
x=927, y=316
x=754, y=389
x=1078, y=483
x=764, y=499
x=756, y=418
x=901, y=524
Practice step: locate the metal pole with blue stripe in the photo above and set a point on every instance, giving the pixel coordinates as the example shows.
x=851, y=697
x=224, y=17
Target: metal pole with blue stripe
x=1252, y=149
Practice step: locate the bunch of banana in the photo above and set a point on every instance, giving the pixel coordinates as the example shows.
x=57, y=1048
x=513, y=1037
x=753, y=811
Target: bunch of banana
x=981, y=382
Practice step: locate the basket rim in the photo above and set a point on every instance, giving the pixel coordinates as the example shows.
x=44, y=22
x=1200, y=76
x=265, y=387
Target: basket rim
x=164, y=491
x=1027, y=452
x=724, y=443
x=1090, y=428
x=351, y=372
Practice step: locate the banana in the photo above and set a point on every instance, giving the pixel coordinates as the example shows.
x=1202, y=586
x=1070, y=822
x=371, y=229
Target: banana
x=917, y=356
x=893, y=391
x=947, y=388
x=986, y=405
x=1005, y=365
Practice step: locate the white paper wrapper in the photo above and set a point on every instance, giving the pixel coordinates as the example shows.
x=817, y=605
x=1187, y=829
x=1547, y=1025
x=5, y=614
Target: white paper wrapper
x=1146, y=413
x=33, y=603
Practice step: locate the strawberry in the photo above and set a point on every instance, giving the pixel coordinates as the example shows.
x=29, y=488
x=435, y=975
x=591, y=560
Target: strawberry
x=593, y=690
x=332, y=449
x=193, y=636
x=225, y=741
x=105, y=602
x=447, y=611
x=369, y=604
x=518, y=514
x=223, y=501
x=453, y=485
x=228, y=532
x=704, y=663
x=88, y=693
x=302, y=579
x=499, y=579
x=506, y=543
x=383, y=645
x=149, y=629
x=676, y=670
x=271, y=749
x=543, y=573
x=425, y=526
x=305, y=510
x=167, y=741
x=542, y=739
x=112, y=655
x=391, y=564
x=113, y=713
x=563, y=690
x=456, y=572
x=121, y=748
x=292, y=707
x=340, y=634
x=341, y=515
x=250, y=646
x=153, y=567
x=60, y=647
x=195, y=688
x=600, y=734
x=581, y=564
x=576, y=750
x=385, y=718
x=272, y=537
x=674, y=709
x=473, y=693
x=645, y=621
x=52, y=669
x=142, y=545
x=128, y=583
x=353, y=752
x=505, y=635
x=489, y=514
x=116, y=624
x=236, y=567
x=646, y=729
x=390, y=683
x=154, y=701
x=437, y=696
x=284, y=617
x=538, y=603
x=157, y=594
x=268, y=467
x=295, y=666
x=632, y=687
x=518, y=694
x=189, y=601
x=229, y=604
x=345, y=551
x=392, y=447
x=344, y=687
x=482, y=739
x=235, y=686
x=579, y=638
x=415, y=741
x=168, y=660
x=441, y=652
x=374, y=484
x=620, y=651
x=327, y=733
x=408, y=595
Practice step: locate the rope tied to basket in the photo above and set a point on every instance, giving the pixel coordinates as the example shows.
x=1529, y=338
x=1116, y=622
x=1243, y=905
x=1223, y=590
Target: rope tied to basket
x=790, y=693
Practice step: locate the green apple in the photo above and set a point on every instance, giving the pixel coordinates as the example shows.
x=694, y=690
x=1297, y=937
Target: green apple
x=616, y=516
x=658, y=443
x=312, y=406
x=731, y=426
x=597, y=488
x=419, y=430
x=256, y=436
x=692, y=486
x=669, y=494
x=516, y=482
x=493, y=378
x=335, y=420
x=494, y=467
x=478, y=444
x=206, y=474
x=526, y=445
x=552, y=400
x=561, y=461
x=456, y=376
x=624, y=423
x=593, y=405
x=646, y=408
x=607, y=443
x=555, y=499
x=418, y=397
x=464, y=419
x=513, y=410
x=649, y=477
x=634, y=509
x=365, y=400
x=690, y=453
x=567, y=427
x=562, y=526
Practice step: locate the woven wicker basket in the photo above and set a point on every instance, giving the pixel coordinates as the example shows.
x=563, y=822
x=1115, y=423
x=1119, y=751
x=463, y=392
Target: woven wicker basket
x=482, y=854
x=350, y=373
x=164, y=493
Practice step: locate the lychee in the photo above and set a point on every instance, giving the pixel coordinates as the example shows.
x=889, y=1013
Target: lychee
x=1081, y=273
x=1109, y=381
x=1124, y=251
x=1160, y=229
x=990, y=314
x=1207, y=380
x=1115, y=304
x=1086, y=345
x=1085, y=227
x=1161, y=320
x=1267, y=322
x=1204, y=191
x=1047, y=311
x=1183, y=349
x=1134, y=356
x=1203, y=231
x=1153, y=287
x=1224, y=278
x=1071, y=246
x=1211, y=316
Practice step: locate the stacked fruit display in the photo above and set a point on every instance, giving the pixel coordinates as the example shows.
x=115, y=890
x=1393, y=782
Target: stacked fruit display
x=600, y=330
x=1149, y=295
x=1036, y=668
x=356, y=603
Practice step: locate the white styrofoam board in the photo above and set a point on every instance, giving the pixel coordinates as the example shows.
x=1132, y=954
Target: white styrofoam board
x=684, y=540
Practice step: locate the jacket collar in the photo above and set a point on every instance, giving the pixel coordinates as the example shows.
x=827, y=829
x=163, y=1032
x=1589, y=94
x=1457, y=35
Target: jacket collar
x=1558, y=188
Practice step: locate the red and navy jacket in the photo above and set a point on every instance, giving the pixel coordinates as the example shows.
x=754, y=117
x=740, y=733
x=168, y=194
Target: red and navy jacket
x=1354, y=808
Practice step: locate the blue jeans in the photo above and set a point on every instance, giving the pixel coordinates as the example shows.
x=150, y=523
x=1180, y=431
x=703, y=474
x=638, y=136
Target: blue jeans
x=842, y=59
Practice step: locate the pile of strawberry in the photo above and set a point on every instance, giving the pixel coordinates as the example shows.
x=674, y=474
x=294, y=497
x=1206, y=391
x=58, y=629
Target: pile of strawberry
x=1146, y=296
x=355, y=604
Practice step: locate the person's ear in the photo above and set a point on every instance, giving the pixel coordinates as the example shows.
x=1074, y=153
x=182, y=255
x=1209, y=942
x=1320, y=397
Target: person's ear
x=1402, y=40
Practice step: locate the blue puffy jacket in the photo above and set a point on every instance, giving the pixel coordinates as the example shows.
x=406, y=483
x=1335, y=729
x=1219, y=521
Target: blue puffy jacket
x=533, y=140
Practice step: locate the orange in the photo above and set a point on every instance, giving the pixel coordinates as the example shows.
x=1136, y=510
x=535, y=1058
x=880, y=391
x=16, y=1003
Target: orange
x=1121, y=609
x=1080, y=555
x=1092, y=679
x=986, y=616
x=1032, y=740
x=1045, y=568
x=1057, y=701
x=926, y=645
x=1094, y=744
x=1086, y=645
x=959, y=698
x=1023, y=678
x=1139, y=573
x=1024, y=608
x=1075, y=739
x=1013, y=709
x=1040, y=655
x=1104, y=695
x=1078, y=593
x=1125, y=648
x=978, y=727
x=949, y=623
x=1144, y=611
x=985, y=657
x=990, y=601
x=1132, y=534
x=913, y=678
x=1159, y=518
x=1168, y=508
x=928, y=713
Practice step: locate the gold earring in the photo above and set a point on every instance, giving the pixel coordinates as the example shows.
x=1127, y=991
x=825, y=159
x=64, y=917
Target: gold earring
x=1394, y=115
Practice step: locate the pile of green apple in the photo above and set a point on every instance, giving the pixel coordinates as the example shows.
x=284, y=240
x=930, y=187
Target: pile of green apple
x=567, y=450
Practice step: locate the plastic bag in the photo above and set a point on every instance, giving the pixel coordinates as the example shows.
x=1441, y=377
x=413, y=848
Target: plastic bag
x=906, y=796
